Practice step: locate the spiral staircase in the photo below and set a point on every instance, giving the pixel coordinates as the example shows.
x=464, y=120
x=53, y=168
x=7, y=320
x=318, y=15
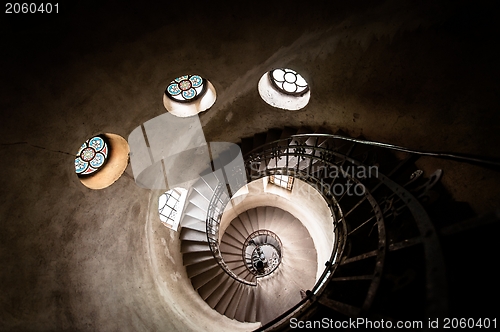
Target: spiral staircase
x=387, y=260
x=244, y=301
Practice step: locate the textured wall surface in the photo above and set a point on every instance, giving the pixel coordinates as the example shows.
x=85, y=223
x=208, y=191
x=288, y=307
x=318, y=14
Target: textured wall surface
x=421, y=75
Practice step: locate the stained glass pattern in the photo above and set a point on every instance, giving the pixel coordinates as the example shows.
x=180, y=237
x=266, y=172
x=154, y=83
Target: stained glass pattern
x=288, y=81
x=91, y=156
x=168, y=205
x=186, y=88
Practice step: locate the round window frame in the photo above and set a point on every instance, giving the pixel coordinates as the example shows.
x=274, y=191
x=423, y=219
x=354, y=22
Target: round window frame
x=106, y=158
x=281, y=90
x=118, y=160
x=186, y=101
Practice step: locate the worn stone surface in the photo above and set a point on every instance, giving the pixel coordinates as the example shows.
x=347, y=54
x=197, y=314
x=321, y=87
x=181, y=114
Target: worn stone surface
x=421, y=75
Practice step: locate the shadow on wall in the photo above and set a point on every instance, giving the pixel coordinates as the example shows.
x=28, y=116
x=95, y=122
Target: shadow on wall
x=169, y=151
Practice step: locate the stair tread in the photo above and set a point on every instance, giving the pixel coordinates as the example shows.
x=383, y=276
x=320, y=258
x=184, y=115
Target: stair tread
x=195, y=224
x=239, y=226
x=260, y=216
x=197, y=268
x=194, y=246
x=217, y=289
x=200, y=201
x=251, y=315
x=200, y=187
x=232, y=240
x=248, y=219
x=196, y=257
x=227, y=248
x=269, y=216
x=202, y=278
x=226, y=298
x=232, y=257
x=194, y=211
x=234, y=302
x=193, y=235
x=241, y=308
x=234, y=233
x=206, y=290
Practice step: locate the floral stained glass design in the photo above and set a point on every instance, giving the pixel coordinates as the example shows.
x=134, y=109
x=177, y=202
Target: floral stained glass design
x=186, y=88
x=288, y=81
x=91, y=156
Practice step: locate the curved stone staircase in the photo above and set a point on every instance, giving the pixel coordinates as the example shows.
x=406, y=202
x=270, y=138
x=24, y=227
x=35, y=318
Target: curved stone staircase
x=274, y=293
x=388, y=262
x=280, y=290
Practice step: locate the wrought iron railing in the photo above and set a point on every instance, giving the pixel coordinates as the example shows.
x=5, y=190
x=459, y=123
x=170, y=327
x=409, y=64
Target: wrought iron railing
x=216, y=208
x=298, y=157
x=309, y=158
x=297, y=154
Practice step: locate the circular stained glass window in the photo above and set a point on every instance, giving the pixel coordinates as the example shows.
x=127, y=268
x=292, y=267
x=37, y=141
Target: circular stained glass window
x=288, y=81
x=91, y=156
x=186, y=88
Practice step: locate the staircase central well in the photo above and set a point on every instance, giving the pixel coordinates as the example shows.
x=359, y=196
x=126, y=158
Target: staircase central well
x=262, y=252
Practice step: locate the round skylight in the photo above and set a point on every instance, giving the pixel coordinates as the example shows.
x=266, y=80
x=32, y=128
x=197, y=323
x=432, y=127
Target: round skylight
x=284, y=88
x=189, y=95
x=91, y=156
x=101, y=160
x=186, y=88
x=288, y=81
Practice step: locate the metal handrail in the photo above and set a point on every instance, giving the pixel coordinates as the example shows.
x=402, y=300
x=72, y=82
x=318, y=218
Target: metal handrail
x=302, y=148
x=445, y=155
x=295, y=156
x=215, y=209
